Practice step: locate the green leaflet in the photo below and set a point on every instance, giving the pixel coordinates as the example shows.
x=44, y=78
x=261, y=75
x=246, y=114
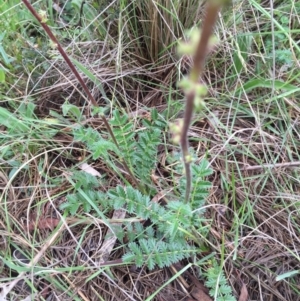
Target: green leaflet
x=13, y=123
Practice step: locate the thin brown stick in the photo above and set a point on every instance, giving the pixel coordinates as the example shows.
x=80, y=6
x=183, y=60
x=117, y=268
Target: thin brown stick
x=270, y=165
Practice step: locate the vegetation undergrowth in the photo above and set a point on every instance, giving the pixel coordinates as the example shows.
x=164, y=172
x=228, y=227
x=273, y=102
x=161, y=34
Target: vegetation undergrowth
x=94, y=187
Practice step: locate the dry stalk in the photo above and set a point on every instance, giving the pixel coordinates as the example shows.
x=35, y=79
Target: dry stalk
x=212, y=10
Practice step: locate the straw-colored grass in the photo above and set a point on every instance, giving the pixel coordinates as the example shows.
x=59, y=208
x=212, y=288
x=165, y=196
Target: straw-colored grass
x=249, y=132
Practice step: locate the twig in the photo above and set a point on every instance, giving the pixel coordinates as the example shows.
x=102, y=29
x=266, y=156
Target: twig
x=274, y=165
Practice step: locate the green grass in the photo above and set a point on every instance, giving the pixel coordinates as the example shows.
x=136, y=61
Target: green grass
x=126, y=52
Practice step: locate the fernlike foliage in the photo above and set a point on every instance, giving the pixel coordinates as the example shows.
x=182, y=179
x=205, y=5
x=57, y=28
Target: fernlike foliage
x=157, y=252
x=217, y=283
x=160, y=236
x=124, y=132
x=76, y=201
x=163, y=241
x=138, y=148
x=198, y=196
x=97, y=145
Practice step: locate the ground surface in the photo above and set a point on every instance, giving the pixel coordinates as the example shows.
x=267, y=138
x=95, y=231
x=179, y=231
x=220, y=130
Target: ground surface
x=249, y=132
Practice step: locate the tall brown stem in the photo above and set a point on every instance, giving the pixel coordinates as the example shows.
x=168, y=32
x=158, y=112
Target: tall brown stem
x=212, y=10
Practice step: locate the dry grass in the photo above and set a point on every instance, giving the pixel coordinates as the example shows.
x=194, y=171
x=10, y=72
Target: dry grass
x=254, y=205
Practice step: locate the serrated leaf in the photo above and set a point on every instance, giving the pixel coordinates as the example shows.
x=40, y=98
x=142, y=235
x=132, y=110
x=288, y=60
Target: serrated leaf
x=73, y=208
x=202, y=185
x=150, y=263
x=154, y=115
x=64, y=206
x=128, y=257
x=86, y=207
x=71, y=110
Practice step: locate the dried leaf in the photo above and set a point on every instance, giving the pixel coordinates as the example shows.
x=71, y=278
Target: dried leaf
x=110, y=238
x=42, y=224
x=45, y=291
x=7, y=288
x=89, y=169
x=157, y=197
x=244, y=293
x=200, y=295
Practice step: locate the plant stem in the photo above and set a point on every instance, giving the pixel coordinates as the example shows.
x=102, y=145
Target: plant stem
x=212, y=10
x=79, y=78
x=206, y=32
